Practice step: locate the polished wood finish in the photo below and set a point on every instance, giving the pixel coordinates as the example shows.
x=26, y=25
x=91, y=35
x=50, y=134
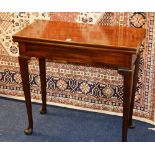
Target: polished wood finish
x=83, y=34
x=65, y=42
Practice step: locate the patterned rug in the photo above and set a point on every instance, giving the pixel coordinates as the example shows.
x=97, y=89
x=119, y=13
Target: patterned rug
x=79, y=86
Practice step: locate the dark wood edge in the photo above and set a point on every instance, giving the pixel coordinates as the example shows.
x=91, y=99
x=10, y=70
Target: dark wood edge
x=74, y=45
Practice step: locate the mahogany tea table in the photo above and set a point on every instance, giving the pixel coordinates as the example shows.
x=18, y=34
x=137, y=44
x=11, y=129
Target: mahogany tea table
x=66, y=42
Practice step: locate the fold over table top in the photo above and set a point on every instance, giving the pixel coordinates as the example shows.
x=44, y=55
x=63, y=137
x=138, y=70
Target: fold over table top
x=79, y=34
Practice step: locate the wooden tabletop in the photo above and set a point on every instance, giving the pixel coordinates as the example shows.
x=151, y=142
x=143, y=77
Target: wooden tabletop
x=82, y=34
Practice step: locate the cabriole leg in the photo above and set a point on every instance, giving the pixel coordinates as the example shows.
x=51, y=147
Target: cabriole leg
x=42, y=66
x=23, y=62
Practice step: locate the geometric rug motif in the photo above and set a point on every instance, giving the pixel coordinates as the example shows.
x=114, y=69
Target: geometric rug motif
x=5, y=20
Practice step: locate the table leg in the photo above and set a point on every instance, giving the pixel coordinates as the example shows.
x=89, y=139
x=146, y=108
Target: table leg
x=126, y=102
x=42, y=66
x=23, y=62
x=135, y=80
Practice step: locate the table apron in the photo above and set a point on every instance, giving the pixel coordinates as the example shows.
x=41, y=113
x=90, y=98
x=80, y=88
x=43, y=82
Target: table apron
x=83, y=56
